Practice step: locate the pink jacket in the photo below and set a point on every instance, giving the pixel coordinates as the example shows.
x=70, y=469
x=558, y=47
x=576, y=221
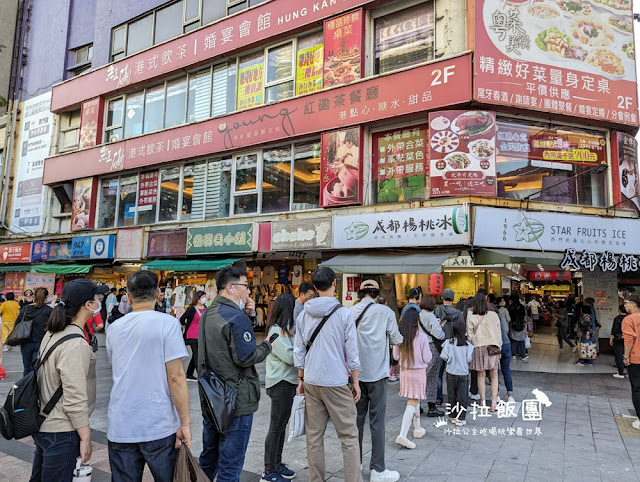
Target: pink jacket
x=421, y=352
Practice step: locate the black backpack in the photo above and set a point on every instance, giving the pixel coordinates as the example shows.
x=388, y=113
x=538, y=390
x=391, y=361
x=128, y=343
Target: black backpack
x=20, y=417
x=115, y=313
x=517, y=318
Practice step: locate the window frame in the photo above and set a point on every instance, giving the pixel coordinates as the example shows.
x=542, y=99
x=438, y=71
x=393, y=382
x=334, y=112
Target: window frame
x=123, y=50
x=189, y=22
x=65, y=127
x=249, y=192
x=294, y=55
x=107, y=127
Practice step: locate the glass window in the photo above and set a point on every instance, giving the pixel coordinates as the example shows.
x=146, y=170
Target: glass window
x=168, y=22
x=107, y=203
x=213, y=10
x=276, y=179
x=306, y=175
x=139, y=34
x=176, y=99
x=246, y=173
x=280, y=72
x=148, y=197
x=113, y=128
x=187, y=192
x=223, y=99
x=134, y=114
x=117, y=44
x=199, y=96
x=191, y=10
x=153, y=108
x=247, y=204
x=218, y=189
x=128, y=195
x=404, y=38
x=169, y=193
x=237, y=8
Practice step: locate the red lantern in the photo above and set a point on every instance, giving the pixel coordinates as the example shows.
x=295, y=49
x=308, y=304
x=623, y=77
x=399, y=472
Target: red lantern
x=436, y=281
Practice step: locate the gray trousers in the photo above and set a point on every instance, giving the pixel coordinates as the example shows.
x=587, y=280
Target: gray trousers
x=374, y=401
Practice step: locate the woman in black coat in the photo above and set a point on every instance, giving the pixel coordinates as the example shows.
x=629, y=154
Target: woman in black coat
x=38, y=312
x=190, y=320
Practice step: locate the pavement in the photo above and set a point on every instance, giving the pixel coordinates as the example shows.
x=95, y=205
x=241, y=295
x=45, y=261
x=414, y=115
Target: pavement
x=584, y=435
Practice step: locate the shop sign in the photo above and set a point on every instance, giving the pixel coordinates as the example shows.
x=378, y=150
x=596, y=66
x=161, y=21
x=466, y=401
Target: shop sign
x=39, y=280
x=301, y=234
x=213, y=41
x=607, y=261
x=462, y=153
x=15, y=253
x=85, y=193
x=341, y=167
x=59, y=251
x=572, y=58
x=39, y=251
x=167, y=243
x=549, y=275
x=227, y=238
x=626, y=187
x=547, y=231
x=250, y=86
x=129, y=243
x=15, y=282
x=407, y=92
x=441, y=226
x=93, y=247
x=148, y=190
x=309, y=70
x=343, y=38
x=90, y=123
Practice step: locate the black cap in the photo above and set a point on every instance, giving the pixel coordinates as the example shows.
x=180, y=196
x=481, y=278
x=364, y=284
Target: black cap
x=79, y=291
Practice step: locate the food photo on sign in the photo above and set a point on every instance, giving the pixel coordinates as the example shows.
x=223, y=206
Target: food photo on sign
x=343, y=48
x=627, y=188
x=84, y=203
x=341, y=168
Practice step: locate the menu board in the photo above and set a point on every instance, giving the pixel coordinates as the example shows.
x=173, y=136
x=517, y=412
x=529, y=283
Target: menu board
x=573, y=57
x=341, y=168
x=15, y=282
x=148, y=190
x=309, y=70
x=85, y=192
x=250, y=84
x=343, y=48
x=462, y=153
x=37, y=280
x=626, y=187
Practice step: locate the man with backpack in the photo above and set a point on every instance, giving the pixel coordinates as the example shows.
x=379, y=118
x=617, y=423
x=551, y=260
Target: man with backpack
x=518, y=332
x=446, y=313
x=376, y=325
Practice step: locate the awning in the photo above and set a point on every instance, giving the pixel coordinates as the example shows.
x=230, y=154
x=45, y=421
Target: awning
x=388, y=263
x=515, y=256
x=61, y=268
x=18, y=268
x=189, y=264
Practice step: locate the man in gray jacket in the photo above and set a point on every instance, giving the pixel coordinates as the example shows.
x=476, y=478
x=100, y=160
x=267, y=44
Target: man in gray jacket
x=375, y=324
x=324, y=364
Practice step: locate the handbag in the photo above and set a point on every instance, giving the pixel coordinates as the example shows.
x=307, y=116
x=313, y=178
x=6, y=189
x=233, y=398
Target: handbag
x=296, y=420
x=588, y=351
x=492, y=350
x=21, y=331
x=187, y=468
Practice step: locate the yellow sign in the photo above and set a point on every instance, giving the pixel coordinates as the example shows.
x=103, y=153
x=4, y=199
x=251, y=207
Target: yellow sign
x=556, y=288
x=309, y=70
x=575, y=155
x=250, y=86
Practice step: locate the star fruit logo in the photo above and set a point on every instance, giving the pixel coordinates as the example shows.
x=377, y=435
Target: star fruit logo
x=357, y=230
x=528, y=230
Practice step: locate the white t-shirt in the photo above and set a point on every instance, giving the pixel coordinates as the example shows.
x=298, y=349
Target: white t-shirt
x=138, y=346
x=180, y=294
x=296, y=277
x=534, y=305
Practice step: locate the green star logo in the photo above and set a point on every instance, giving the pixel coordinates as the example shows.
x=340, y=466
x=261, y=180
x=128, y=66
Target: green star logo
x=528, y=230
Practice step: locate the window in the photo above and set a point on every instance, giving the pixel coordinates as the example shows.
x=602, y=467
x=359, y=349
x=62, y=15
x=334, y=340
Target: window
x=69, y=130
x=213, y=10
x=176, y=100
x=167, y=23
x=187, y=192
x=199, y=96
x=276, y=180
x=246, y=184
x=153, y=108
x=280, y=70
x=140, y=34
x=250, y=81
x=107, y=203
x=211, y=189
x=404, y=38
x=127, y=197
x=147, y=197
x=169, y=194
x=306, y=175
x=113, y=128
x=118, y=42
x=223, y=97
x=81, y=59
x=134, y=115
x=192, y=9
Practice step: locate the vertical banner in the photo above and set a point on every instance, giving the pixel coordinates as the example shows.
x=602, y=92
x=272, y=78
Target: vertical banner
x=341, y=168
x=90, y=123
x=35, y=143
x=343, y=39
x=85, y=193
x=250, y=86
x=309, y=70
x=624, y=166
x=462, y=153
x=148, y=190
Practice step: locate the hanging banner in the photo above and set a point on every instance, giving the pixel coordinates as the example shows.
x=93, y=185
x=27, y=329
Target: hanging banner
x=85, y=193
x=15, y=253
x=39, y=251
x=626, y=185
x=341, y=168
x=343, y=38
x=167, y=243
x=90, y=123
x=250, y=86
x=462, y=153
x=227, y=238
x=309, y=70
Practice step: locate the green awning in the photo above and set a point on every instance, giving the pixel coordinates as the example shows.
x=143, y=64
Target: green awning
x=388, y=263
x=515, y=256
x=61, y=268
x=189, y=264
x=18, y=268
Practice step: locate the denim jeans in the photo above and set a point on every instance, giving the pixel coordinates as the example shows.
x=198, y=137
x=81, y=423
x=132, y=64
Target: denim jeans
x=127, y=459
x=224, y=455
x=281, y=395
x=443, y=365
x=55, y=456
x=505, y=366
x=518, y=348
x=29, y=354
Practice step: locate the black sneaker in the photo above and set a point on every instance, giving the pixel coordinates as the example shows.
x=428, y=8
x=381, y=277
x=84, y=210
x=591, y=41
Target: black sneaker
x=439, y=401
x=272, y=477
x=285, y=471
x=434, y=412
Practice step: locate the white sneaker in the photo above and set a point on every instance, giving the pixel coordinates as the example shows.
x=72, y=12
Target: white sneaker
x=525, y=359
x=615, y=375
x=513, y=357
x=461, y=422
x=474, y=397
x=405, y=442
x=636, y=424
x=419, y=432
x=511, y=399
x=6, y=348
x=574, y=348
x=387, y=474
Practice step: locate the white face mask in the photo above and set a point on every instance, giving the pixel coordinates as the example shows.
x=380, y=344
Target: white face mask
x=203, y=300
x=240, y=302
x=95, y=312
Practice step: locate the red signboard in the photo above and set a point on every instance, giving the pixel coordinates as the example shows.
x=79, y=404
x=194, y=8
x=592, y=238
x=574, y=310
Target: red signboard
x=624, y=167
x=341, y=168
x=167, y=243
x=91, y=123
x=408, y=92
x=85, y=193
x=148, y=189
x=241, y=31
x=15, y=282
x=343, y=37
x=574, y=58
x=15, y=253
x=462, y=153
x=549, y=275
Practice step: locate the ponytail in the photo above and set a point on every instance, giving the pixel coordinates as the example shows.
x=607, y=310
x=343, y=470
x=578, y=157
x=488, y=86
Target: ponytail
x=61, y=316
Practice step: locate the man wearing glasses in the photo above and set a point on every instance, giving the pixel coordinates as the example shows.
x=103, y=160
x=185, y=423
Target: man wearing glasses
x=631, y=359
x=227, y=341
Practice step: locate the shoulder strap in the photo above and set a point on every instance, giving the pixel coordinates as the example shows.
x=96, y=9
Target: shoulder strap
x=363, y=312
x=320, y=325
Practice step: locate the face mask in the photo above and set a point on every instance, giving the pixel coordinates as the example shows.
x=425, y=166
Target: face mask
x=95, y=312
x=240, y=303
x=203, y=300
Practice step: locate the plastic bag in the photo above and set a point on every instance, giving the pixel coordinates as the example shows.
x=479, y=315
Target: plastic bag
x=296, y=421
x=527, y=343
x=187, y=468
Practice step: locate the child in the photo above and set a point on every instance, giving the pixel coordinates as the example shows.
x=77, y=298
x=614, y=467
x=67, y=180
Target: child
x=457, y=352
x=414, y=356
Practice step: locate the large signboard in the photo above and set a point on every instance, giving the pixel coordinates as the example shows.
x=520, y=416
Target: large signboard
x=93, y=247
x=407, y=92
x=15, y=253
x=83, y=211
x=250, y=86
x=59, y=251
x=511, y=228
x=440, y=226
x=35, y=143
x=167, y=243
x=624, y=167
x=341, y=168
x=39, y=251
x=39, y=280
x=296, y=234
x=573, y=57
x=227, y=238
x=91, y=123
x=309, y=70
x=129, y=243
x=343, y=51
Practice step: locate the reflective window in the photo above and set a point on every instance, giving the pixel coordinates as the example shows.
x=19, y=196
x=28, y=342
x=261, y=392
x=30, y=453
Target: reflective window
x=306, y=176
x=169, y=193
x=127, y=196
x=168, y=23
x=139, y=34
x=191, y=10
x=246, y=195
x=133, y=115
x=154, y=108
x=279, y=81
x=276, y=179
x=107, y=203
x=176, y=99
x=223, y=99
x=199, y=96
x=187, y=192
x=213, y=10
x=113, y=129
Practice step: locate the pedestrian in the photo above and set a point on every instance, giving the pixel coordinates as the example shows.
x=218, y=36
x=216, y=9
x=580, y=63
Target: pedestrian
x=631, y=357
x=162, y=305
x=505, y=354
x=461, y=303
x=431, y=326
x=27, y=298
x=563, y=325
x=594, y=316
x=38, y=313
x=376, y=328
x=111, y=300
x=227, y=341
x=518, y=329
x=446, y=313
x=415, y=296
x=616, y=340
x=457, y=352
x=65, y=434
x=190, y=322
x=323, y=376
x=148, y=415
x=306, y=292
x=281, y=380
x=9, y=310
x=586, y=331
x=382, y=300
x=414, y=356
x=534, y=307
x=483, y=331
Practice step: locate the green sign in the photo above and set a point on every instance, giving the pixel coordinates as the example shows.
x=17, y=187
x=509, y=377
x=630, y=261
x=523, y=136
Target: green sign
x=229, y=238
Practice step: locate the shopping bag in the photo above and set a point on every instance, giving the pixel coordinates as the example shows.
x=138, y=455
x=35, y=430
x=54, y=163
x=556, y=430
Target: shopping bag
x=296, y=421
x=588, y=351
x=187, y=468
x=527, y=343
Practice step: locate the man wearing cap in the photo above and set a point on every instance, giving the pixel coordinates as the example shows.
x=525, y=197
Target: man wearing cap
x=446, y=313
x=376, y=325
x=631, y=359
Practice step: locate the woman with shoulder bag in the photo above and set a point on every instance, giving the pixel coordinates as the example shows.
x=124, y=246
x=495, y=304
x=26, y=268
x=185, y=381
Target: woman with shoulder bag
x=431, y=326
x=38, y=313
x=191, y=321
x=65, y=434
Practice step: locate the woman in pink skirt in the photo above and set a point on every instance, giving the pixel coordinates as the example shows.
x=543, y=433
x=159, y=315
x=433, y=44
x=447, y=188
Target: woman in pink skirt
x=414, y=356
